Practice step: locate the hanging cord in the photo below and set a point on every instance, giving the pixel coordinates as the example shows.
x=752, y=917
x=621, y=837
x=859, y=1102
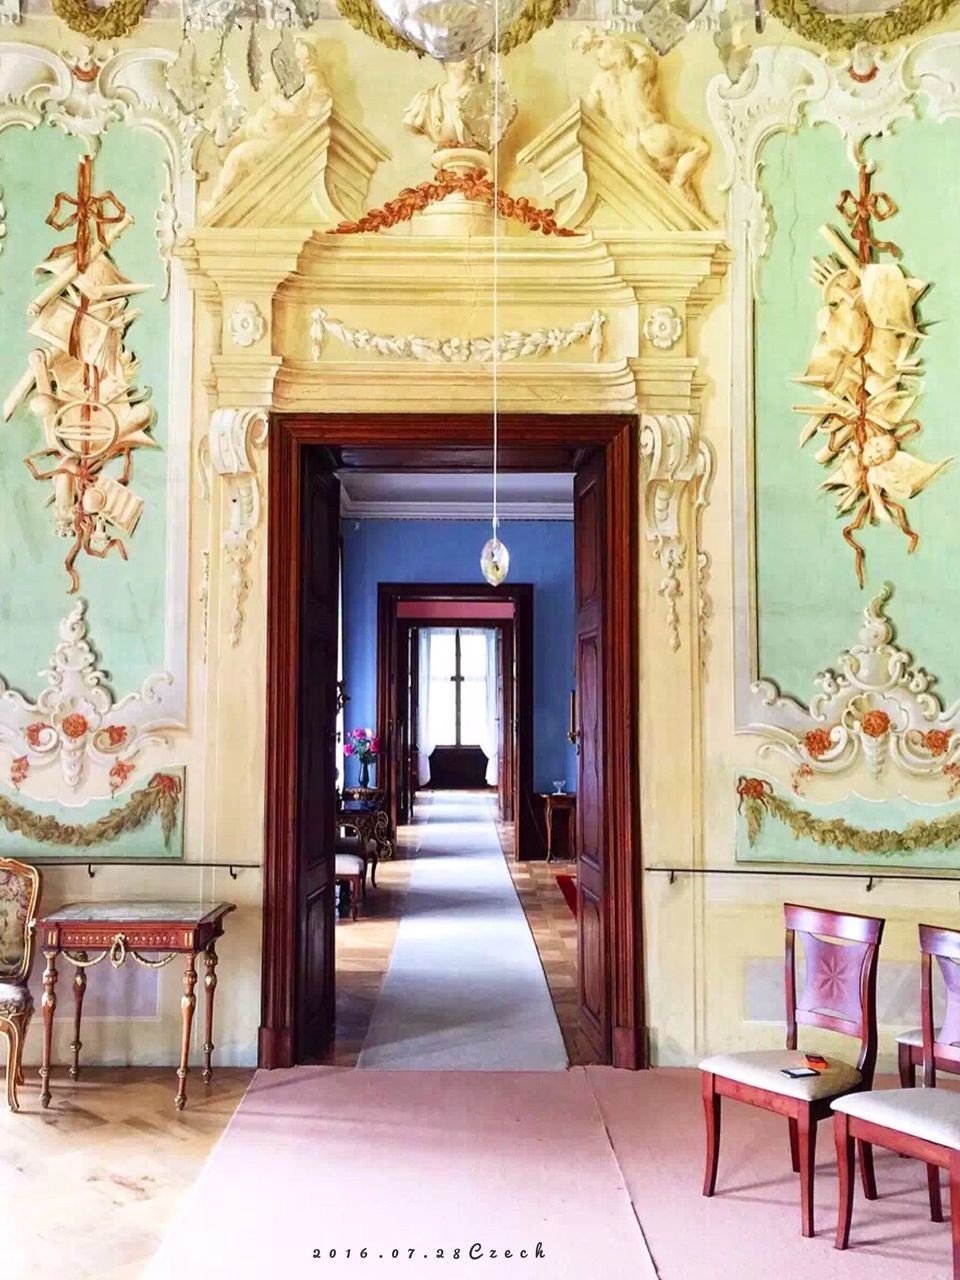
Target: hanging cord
x=496, y=249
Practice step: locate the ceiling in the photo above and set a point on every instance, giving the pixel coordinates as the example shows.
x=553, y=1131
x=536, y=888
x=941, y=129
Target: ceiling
x=413, y=495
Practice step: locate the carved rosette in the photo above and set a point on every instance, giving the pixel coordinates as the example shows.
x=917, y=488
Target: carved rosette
x=75, y=720
x=673, y=457
x=879, y=709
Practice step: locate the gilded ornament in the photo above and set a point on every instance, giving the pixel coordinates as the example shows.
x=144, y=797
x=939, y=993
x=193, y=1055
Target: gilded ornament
x=757, y=801
x=112, y=22
x=844, y=33
x=161, y=796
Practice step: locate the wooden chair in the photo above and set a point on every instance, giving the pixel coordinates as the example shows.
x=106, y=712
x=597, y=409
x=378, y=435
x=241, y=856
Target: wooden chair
x=910, y=1043
x=923, y=1123
x=839, y=993
x=19, y=894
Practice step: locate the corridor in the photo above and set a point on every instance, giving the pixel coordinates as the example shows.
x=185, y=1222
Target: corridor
x=465, y=989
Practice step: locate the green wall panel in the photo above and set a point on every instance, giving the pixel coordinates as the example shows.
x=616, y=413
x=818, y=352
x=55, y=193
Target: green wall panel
x=809, y=603
x=126, y=600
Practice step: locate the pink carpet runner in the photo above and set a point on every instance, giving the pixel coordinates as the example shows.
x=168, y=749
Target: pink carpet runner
x=335, y=1159
x=595, y=1165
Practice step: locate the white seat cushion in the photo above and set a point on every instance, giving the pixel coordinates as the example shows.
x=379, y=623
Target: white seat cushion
x=931, y=1114
x=762, y=1069
x=348, y=864
x=913, y=1037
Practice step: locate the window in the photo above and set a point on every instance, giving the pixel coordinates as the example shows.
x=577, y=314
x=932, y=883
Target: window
x=458, y=687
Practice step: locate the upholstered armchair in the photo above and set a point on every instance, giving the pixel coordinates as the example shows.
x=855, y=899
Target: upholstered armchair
x=19, y=893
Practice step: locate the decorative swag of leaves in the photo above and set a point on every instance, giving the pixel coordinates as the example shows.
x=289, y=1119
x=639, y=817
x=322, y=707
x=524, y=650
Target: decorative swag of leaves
x=366, y=17
x=110, y=23
x=758, y=800
x=160, y=796
x=475, y=185
x=843, y=33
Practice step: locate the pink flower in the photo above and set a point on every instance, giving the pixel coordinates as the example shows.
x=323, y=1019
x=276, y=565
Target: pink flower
x=374, y=744
x=349, y=749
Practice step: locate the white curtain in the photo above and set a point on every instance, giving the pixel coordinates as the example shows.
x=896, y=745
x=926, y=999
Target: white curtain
x=479, y=701
x=480, y=709
x=425, y=744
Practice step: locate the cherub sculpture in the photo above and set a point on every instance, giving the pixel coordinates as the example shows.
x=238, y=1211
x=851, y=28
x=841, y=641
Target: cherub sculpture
x=625, y=91
x=272, y=123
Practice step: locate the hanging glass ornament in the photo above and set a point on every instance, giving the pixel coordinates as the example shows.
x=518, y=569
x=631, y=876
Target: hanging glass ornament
x=287, y=64
x=450, y=30
x=494, y=561
x=255, y=58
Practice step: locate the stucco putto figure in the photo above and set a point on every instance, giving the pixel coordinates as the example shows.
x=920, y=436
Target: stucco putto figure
x=272, y=123
x=626, y=92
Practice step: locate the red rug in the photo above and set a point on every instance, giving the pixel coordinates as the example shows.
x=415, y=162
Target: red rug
x=568, y=887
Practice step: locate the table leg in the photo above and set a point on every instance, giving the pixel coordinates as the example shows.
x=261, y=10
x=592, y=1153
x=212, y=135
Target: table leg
x=210, y=986
x=549, y=817
x=188, y=1002
x=49, y=1003
x=79, y=987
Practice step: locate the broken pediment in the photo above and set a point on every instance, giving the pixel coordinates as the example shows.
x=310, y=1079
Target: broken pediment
x=591, y=179
x=318, y=174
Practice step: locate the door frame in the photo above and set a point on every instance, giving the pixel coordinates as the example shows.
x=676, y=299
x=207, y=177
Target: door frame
x=517, y=703
x=617, y=436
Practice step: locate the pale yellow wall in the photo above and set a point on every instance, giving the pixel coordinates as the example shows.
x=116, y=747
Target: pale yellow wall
x=700, y=932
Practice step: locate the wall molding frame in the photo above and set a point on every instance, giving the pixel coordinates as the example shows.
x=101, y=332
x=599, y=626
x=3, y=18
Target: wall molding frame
x=784, y=88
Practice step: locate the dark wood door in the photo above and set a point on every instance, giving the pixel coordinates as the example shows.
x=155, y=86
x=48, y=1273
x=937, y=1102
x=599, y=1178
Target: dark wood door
x=411, y=760
x=317, y=728
x=590, y=537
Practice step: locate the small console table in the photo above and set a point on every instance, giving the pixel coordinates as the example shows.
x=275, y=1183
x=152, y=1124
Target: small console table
x=565, y=802
x=118, y=930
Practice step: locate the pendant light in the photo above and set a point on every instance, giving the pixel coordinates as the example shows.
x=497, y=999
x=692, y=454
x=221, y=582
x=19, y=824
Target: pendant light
x=450, y=30
x=495, y=558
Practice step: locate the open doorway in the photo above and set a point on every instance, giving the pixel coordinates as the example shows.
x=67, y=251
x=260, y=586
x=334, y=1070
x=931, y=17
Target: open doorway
x=297, y=1011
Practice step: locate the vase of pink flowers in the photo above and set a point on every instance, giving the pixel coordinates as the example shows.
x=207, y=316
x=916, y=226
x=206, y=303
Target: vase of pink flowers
x=365, y=745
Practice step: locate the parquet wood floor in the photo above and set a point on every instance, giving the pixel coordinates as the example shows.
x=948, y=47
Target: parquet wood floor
x=88, y=1187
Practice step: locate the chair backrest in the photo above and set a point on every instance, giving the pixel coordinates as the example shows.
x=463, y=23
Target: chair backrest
x=941, y=1042
x=19, y=893
x=840, y=982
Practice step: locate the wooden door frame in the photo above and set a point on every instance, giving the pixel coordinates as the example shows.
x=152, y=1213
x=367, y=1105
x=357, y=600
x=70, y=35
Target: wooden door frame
x=617, y=436
x=390, y=595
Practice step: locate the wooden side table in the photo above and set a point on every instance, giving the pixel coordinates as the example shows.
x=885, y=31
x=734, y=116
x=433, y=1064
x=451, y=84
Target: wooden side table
x=565, y=802
x=118, y=930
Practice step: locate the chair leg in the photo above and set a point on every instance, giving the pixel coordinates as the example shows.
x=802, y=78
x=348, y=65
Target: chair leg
x=23, y=1040
x=933, y=1191
x=711, y=1111
x=794, y=1145
x=807, y=1141
x=12, y=1033
x=955, y=1210
x=867, y=1175
x=844, y=1144
x=908, y=1072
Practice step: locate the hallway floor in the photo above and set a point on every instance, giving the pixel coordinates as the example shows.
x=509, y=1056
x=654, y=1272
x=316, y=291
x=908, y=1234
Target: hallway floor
x=365, y=948
x=465, y=989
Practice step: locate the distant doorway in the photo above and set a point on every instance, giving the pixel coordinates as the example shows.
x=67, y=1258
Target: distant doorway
x=406, y=613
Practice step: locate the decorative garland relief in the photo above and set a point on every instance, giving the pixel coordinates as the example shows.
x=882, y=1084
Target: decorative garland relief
x=757, y=801
x=161, y=796
x=513, y=345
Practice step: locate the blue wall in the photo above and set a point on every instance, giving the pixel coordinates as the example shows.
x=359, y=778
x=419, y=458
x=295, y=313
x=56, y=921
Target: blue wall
x=541, y=552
